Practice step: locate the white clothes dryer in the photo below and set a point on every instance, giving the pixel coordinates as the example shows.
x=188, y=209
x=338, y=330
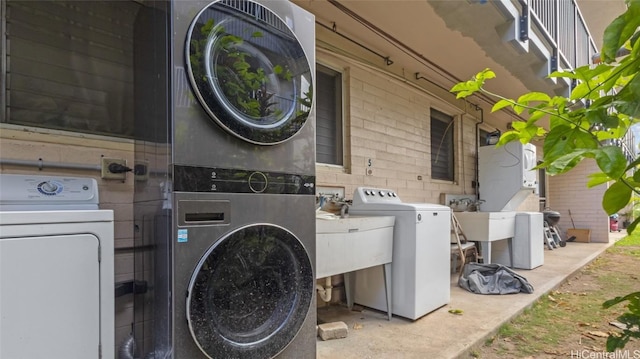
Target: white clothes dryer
x=56, y=269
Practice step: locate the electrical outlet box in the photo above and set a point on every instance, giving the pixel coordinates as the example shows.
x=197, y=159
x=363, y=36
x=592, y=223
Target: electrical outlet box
x=141, y=170
x=107, y=174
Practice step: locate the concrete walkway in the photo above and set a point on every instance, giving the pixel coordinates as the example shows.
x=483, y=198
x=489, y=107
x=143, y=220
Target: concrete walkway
x=441, y=334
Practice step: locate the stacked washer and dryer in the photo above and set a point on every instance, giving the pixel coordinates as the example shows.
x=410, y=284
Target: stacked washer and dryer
x=225, y=193
x=56, y=269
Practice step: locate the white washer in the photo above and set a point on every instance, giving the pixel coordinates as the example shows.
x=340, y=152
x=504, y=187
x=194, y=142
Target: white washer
x=56, y=269
x=421, y=253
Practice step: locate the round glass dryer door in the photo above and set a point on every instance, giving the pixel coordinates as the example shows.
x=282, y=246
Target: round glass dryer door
x=250, y=293
x=249, y=71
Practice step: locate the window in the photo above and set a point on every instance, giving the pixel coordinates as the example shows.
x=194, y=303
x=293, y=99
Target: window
x=72, y=65
x=328, y=116
x=442, y=153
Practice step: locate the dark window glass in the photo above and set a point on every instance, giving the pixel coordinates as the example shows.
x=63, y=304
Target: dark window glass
x=71, y=65
x=442, y=151
x=328, y=116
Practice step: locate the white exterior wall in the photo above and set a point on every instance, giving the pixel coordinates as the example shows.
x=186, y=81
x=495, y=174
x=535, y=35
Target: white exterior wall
x=569, y=192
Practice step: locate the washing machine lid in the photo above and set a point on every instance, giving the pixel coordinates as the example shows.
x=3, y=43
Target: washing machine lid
x=249, y=71
x=250, y=293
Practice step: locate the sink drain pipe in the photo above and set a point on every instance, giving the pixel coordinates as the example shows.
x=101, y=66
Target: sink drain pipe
x=324, y=292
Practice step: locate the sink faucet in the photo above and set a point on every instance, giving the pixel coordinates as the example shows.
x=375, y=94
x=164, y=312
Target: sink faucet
x=344, y=211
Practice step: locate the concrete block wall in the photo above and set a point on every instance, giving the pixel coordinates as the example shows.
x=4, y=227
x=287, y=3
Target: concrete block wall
x=569, y=192
x=60, y=147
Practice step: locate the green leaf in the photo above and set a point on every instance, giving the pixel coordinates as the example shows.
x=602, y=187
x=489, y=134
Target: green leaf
x=587, y=73
x=616, y=197
x=565, y=74
x=536, y=115
x=566, y=162
x=633, y=225
x=626, y=102
x=502, y=104
x=468, y=88
x=634, y=86
x=620, y=30
x=557, y=142
x=507, y=137
x=564, y=139
x=580, y=91
x=485, y=74
x=465, y=89
x=634, y=164
x=596, y=179
x=596, y=115
x=534, y=96
x=611, y=121
x=518, y=125
x=635, y=49
x=529, y=132
x=611, y=160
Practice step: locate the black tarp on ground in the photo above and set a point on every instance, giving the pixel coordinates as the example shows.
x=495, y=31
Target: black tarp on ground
x=492, y=279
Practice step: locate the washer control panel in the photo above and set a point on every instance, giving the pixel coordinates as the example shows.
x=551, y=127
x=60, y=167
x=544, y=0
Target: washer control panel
x=375, y=195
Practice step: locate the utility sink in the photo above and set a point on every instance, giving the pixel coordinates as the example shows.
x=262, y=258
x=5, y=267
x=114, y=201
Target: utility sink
x=487, y=226
x=356, y=242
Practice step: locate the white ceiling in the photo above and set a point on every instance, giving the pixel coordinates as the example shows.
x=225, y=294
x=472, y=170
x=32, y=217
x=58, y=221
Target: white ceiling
x=431, y=46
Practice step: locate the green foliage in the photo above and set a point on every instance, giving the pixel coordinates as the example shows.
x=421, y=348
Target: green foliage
x=631, y=319
x=242, y=77
x=602, y=106
x=632, y=240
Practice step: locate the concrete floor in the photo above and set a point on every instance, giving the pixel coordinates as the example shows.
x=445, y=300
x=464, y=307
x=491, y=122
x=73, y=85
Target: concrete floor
x=441, y=334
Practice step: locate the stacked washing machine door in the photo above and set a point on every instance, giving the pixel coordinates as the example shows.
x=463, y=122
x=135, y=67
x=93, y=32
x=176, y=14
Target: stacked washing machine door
x=421, y=253
x=233, y=234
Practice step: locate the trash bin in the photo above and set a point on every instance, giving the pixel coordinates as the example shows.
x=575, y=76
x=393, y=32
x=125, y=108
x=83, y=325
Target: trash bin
x=613, y=223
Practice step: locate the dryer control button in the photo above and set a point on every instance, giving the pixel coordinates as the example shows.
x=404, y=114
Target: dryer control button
x=258, y=182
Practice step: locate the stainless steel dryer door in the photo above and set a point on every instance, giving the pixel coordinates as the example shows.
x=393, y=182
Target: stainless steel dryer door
x=249, y=71
x=250, y=293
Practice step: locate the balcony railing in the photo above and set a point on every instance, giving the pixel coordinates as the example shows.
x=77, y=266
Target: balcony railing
x=562, y=27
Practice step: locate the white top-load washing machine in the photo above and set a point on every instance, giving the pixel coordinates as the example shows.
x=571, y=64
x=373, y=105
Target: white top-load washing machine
x=56, y=269
x=421, y=253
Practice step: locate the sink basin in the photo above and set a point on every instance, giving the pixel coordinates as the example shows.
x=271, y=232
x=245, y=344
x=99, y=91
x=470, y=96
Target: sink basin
x=356, y=242
x=487, y=226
